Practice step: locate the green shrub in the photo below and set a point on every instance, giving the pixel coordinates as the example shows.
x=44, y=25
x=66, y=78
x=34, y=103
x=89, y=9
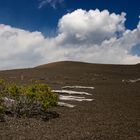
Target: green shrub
x=41, y=93
x=2, y=86
x=1, y=109
x=14, y=91
x=35, y=97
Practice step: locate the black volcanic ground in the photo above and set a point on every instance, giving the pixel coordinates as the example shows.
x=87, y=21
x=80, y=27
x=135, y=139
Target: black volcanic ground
x=113, y=115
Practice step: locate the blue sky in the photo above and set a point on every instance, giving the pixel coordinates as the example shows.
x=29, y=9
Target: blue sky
x=26, y=14
x=33, y=32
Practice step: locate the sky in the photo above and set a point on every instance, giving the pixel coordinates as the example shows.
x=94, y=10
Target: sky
x=34, y=32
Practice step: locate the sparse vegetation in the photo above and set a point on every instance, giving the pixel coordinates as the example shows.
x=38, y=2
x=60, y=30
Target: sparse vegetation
x=26, y=101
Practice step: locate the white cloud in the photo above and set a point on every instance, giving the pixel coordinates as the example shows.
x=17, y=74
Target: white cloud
x=93, y=26
x=18, y=47
x=91, y=36
x=52, y=3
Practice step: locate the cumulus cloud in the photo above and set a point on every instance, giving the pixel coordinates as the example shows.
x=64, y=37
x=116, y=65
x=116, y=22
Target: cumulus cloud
x=93, y=26
x=52, y=3
x=90, y=36
x=18, y=47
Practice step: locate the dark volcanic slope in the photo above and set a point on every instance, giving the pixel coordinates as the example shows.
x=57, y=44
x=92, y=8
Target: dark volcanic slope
x=113, y=115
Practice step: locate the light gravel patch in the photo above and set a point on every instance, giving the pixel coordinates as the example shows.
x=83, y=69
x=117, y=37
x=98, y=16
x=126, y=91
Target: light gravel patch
x=74, y=98
x=71, y=92
x=131, y=81
x=65, y=105
x=78, y=87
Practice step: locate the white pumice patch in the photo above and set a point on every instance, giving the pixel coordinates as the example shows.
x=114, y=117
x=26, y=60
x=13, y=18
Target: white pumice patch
x=72, y=95
x=79, y=87
x=131, y=81
x=71, y=92
x=8, y=102
x=74, y=98
x=66, y=104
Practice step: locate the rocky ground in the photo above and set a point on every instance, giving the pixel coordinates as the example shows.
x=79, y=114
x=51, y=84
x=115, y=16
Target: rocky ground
x=113, y=114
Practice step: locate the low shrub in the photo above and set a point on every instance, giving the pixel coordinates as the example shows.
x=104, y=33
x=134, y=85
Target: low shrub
x=26, y=100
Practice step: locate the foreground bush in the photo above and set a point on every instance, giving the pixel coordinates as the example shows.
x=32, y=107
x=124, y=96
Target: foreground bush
x=27, y=100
